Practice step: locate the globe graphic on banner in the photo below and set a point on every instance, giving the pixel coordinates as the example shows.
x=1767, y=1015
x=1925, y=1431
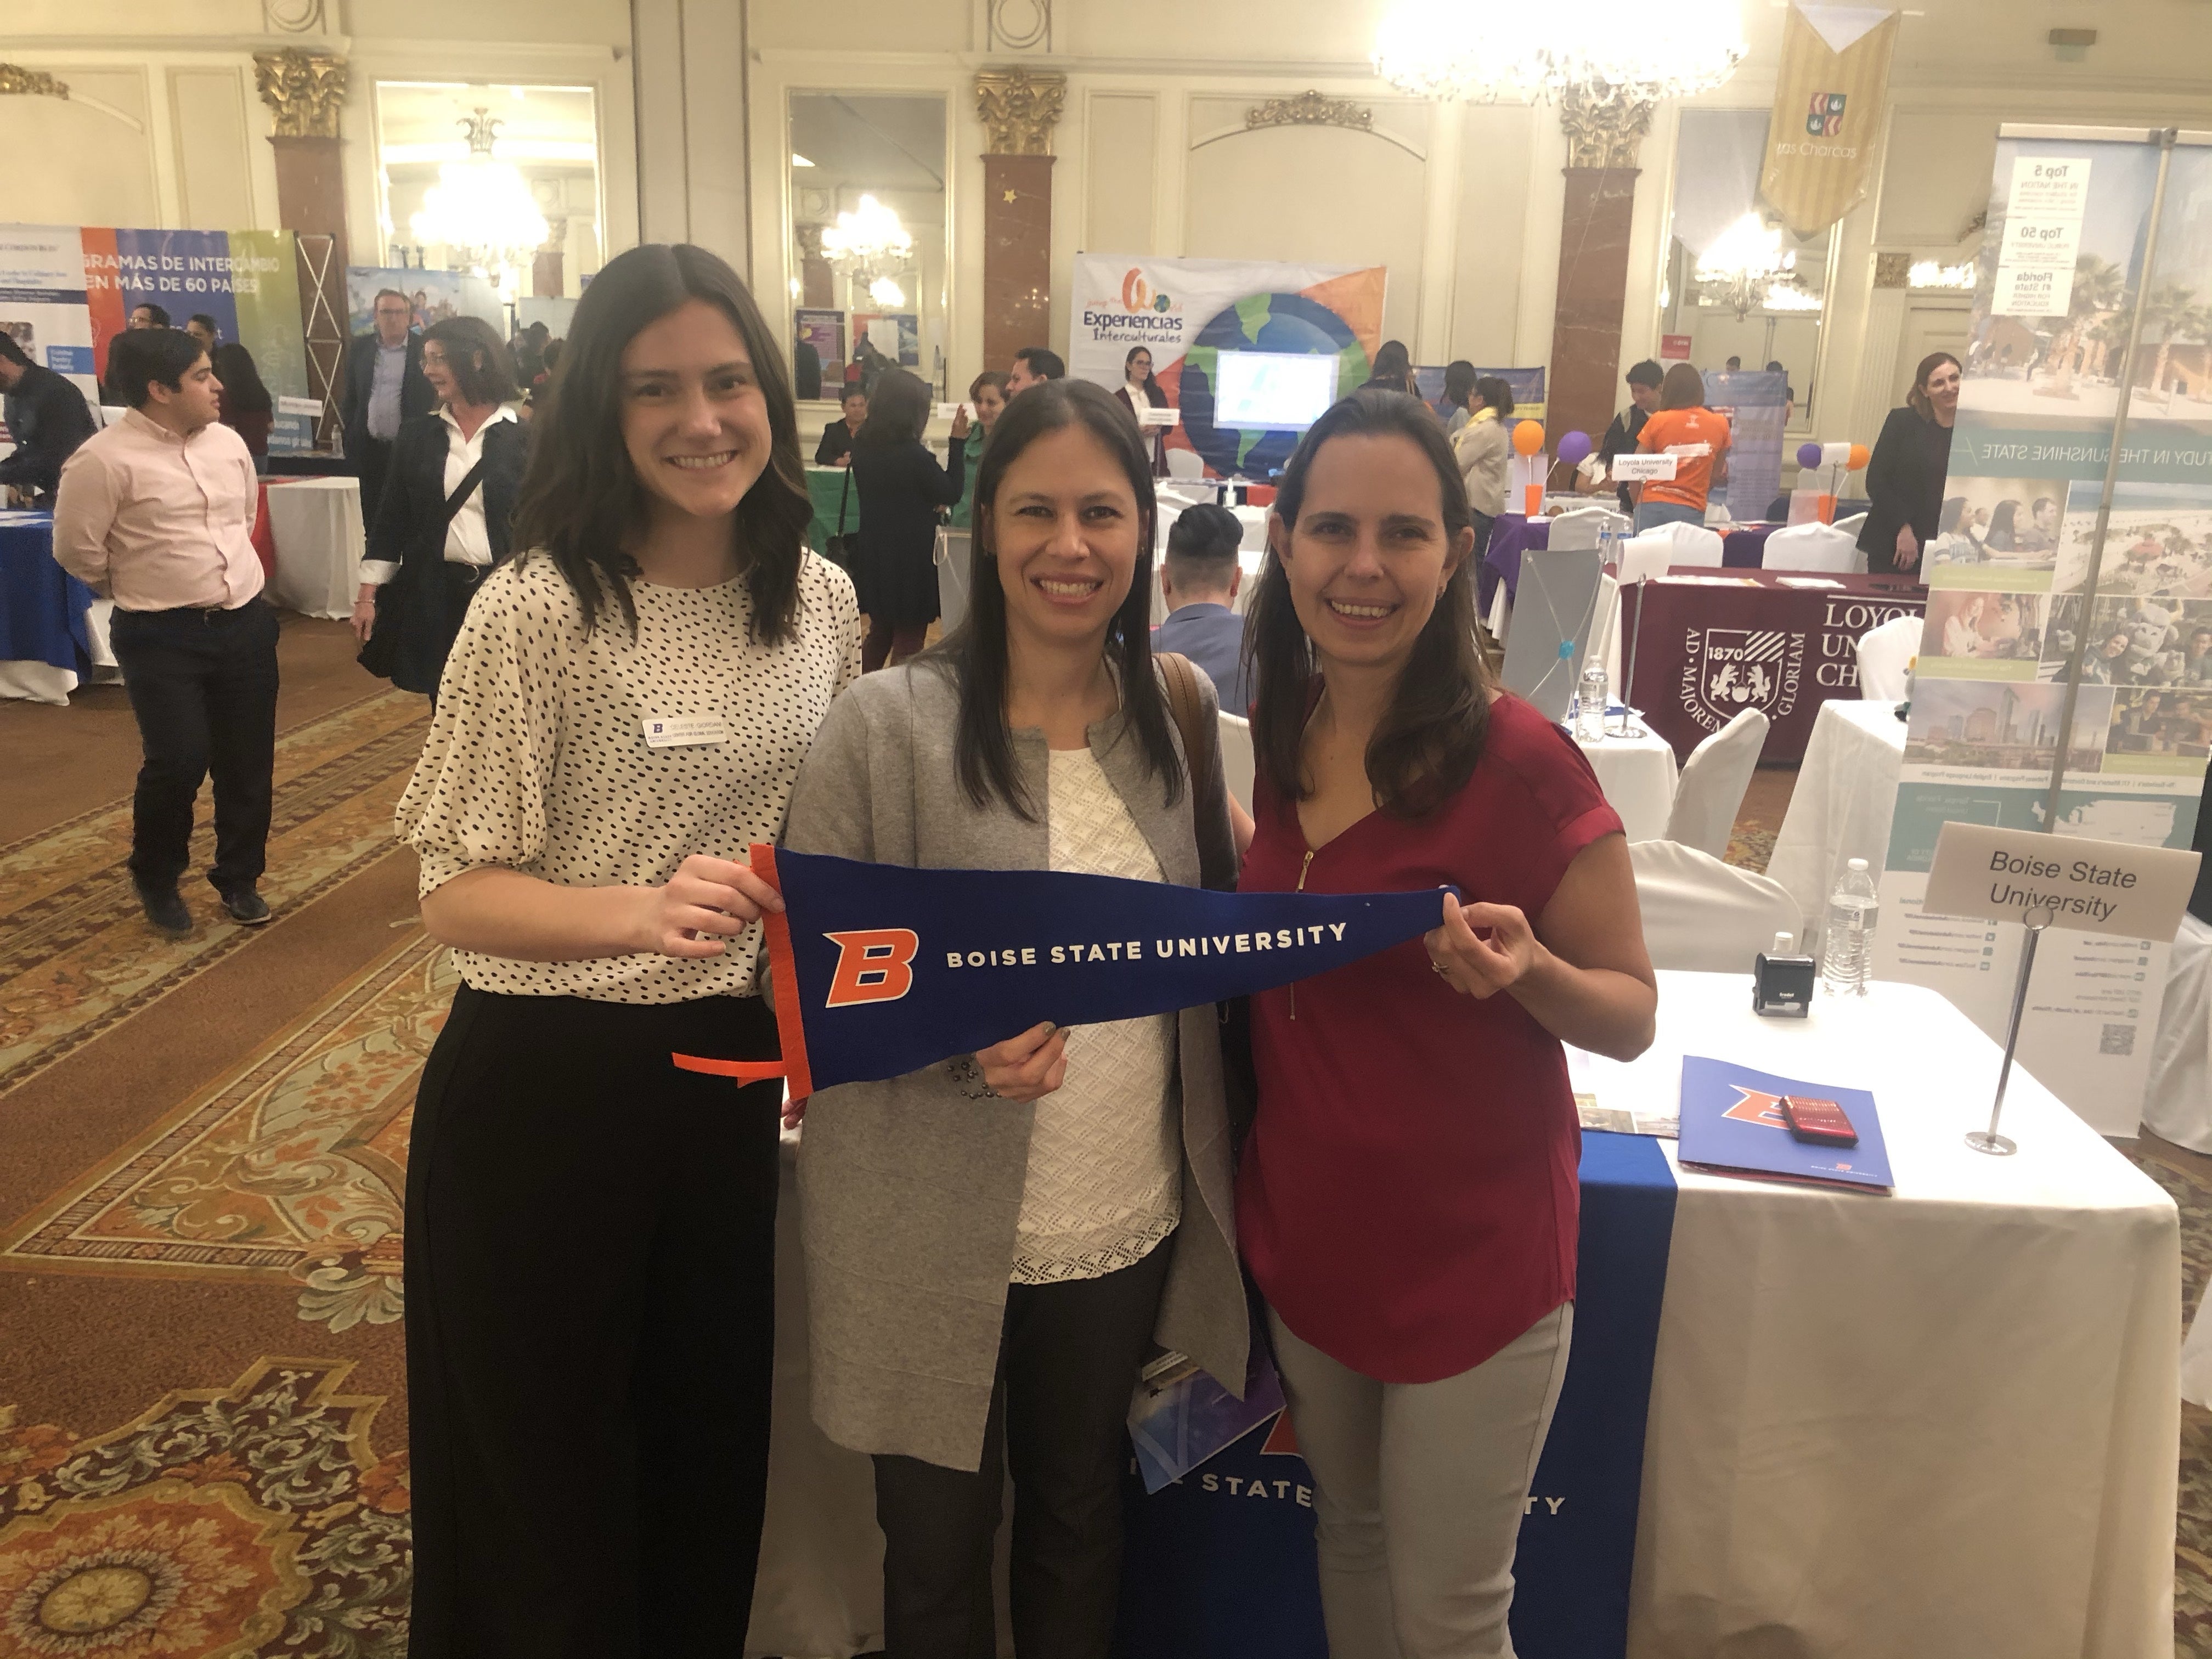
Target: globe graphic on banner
x=1262, y=322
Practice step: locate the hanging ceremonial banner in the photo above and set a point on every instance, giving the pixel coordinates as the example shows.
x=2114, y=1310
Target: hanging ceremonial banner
x=880, y=970
x=1828, y=104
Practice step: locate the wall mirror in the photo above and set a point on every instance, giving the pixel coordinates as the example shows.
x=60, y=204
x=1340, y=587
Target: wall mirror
x=868, y=238
x=501, y=183
x=1737, y=283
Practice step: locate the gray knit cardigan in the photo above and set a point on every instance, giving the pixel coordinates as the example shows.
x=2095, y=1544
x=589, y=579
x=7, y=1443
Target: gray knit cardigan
x=910, y=1189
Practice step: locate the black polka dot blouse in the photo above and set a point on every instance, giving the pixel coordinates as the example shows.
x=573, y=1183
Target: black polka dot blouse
x=538, y=758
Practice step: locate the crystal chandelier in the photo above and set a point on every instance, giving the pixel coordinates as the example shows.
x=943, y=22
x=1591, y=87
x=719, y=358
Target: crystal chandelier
x=869, y=242
x=482, y=208
x=1746, y=270
x=1602, y=51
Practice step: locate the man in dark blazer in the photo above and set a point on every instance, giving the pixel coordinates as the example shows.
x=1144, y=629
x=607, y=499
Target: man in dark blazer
x=47, y=416
x=384, y=388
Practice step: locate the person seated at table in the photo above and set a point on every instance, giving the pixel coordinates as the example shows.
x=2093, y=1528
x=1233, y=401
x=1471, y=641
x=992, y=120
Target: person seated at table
x=204, y=329
x=1199, y=580
x=147, y=315
x=994, y=1243
x=835, y=448
x=443, y=524
x=48, y=418
x=2042, y=534
x=157, y=513
x=901, y=487
x=1644, y=380
x=2002, y=536
x=986, y=396
x=1411, y=1216
x=1484, y=451
x=248, y=408
x=1696, y=437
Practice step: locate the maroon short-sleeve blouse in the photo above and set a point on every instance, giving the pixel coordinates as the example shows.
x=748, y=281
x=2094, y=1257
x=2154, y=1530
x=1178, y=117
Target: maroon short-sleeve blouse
x=1408, y=1197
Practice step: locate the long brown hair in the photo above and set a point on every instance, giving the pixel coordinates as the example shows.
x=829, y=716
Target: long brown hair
x=1683, y=388
x=1922, y=405
x=973, y=655
x=1429, y=741
x=582, y=501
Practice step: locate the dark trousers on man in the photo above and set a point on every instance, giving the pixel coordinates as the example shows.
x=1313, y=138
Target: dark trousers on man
x=1067, y=1364
x=203, y=686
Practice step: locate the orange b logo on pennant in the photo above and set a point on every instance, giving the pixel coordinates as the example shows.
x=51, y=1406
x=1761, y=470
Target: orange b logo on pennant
x=874, y=964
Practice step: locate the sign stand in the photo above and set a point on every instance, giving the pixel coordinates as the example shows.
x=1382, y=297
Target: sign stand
x=1630, y=726
x=1988, y=1140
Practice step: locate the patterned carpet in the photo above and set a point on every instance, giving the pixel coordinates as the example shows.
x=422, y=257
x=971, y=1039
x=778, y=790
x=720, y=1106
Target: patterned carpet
x=2192, y=1547
x=76, y=955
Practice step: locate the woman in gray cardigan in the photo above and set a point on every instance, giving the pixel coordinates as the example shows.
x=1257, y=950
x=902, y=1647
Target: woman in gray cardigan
x=992, y=1243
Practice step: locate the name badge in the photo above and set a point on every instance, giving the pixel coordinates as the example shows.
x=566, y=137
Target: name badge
x=684, y=731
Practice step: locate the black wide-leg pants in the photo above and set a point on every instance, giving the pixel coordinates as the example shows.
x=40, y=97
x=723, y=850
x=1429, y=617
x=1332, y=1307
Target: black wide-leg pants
x=591, y=1291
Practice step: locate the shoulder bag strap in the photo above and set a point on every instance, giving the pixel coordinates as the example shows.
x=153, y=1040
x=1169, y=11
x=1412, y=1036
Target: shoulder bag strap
x=459, y=498
x=1200, y=741
x=844, y=493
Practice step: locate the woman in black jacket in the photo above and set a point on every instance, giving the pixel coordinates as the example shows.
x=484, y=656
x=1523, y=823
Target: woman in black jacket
x=1905, y=479
x=442, y=524
x=901, y=488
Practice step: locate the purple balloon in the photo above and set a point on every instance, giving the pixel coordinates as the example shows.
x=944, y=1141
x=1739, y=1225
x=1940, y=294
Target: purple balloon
x=1574, y=448
x=1808, y=454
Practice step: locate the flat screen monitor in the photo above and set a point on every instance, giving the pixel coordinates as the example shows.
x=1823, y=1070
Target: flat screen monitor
x=1277, y=390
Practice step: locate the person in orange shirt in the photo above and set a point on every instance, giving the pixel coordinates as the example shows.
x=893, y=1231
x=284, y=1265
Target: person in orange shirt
x=1696, y=437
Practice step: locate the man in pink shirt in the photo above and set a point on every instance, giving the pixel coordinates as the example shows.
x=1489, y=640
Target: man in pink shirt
x=157, y=513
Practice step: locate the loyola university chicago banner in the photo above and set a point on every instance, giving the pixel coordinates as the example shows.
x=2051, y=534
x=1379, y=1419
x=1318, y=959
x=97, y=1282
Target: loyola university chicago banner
x=1187, y=311
x=1828, y=105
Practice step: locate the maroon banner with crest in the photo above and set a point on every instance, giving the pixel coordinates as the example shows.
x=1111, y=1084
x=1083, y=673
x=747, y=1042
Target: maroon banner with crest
x=1715, y=643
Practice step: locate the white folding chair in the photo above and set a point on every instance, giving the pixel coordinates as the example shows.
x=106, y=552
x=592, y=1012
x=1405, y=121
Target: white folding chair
x=1185, y=463
x=1582, y=527
x=1852, y=525
x=1237, y=757
x=1714, y=779
x=1693, y=542
x=1809, y=547
x=1885, y=658
x=1704, y=916
x=2177, y=1100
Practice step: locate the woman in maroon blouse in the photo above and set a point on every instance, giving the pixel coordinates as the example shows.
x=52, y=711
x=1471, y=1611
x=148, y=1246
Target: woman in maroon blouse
x=1407, y=1195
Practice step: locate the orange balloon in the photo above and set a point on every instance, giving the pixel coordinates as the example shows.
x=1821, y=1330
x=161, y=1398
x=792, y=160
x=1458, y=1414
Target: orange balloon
x=1529, y=438
x=1860, y=456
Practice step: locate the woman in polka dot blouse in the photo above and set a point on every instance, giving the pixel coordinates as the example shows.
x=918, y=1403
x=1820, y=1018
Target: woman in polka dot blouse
x=590, y=1231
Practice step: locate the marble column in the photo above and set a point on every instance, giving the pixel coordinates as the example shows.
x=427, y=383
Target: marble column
x=1602, y=141
x=304, y=91
x=1019, y=111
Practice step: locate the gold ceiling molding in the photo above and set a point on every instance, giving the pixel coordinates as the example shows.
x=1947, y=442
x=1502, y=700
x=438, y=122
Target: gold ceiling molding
x=1603, y=135
x=303, y=90
x=30, y=83
x=1893, y=270
x=1310, y=109
x=1019, y=109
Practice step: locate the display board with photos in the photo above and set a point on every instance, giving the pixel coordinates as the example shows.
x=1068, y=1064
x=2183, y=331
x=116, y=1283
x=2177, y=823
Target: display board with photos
x=2063, y=261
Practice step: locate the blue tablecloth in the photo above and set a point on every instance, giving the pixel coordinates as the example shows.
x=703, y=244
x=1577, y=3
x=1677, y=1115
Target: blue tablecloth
x=42, y=606
x=1221, y=1565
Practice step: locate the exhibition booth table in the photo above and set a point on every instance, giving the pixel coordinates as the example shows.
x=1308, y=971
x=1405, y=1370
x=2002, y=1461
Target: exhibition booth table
x=1714, y=643
x=826, y=486
x=1742, y=547
x=1916, y=1426
x=49, y=643
x=1840, y=808
x=1638, y=775
x=315, y=524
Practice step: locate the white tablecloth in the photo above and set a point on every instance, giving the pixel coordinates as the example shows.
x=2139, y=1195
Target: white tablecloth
x=1926, y=1426
x=316, y=525
x=1638, y=775
x=1939, y=1424
x=1840, y=809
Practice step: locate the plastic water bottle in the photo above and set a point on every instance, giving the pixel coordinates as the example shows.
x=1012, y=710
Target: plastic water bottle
x=1589, y=702
x=1847, y=955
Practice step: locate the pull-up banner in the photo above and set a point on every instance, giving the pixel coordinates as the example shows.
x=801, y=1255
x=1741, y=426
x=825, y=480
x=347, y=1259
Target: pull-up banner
x=879, y=970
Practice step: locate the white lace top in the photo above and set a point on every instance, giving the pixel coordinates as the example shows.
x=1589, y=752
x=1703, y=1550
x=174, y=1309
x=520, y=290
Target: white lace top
x=1104, y=1183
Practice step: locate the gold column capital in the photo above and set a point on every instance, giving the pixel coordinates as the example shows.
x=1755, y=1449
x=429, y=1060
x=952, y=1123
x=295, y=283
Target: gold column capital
x=1019, y=109
x=305, y=90
x=30, y=83
x=1603, y=131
